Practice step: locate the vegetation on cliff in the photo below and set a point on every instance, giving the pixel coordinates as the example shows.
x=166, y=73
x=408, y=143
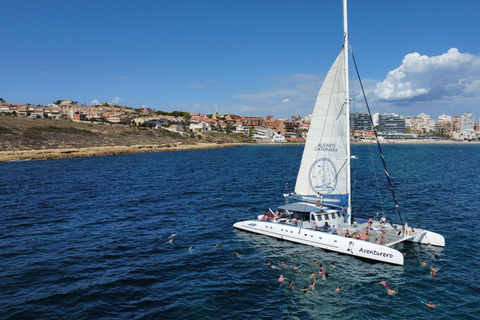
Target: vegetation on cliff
x=18, y=133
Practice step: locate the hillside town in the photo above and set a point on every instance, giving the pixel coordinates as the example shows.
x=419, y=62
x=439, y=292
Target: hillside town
x=389, y=126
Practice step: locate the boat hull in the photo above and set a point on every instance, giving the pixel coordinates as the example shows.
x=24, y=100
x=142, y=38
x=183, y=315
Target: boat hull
x=328, y=241
x=428, y=237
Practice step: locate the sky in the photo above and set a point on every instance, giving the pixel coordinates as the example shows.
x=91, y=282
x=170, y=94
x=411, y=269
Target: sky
x=244, y=57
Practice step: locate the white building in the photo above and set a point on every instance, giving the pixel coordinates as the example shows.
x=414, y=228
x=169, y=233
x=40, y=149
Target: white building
x=263, y=133
x=200, y=126
x=467, y=122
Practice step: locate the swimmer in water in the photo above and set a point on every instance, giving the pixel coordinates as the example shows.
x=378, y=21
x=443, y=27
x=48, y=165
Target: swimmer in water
x=313, y=284
x=338, y=288
x=190, y=249
x=424, y=263
x=305, y=289
x=291, y=285
x=332, y=265
x=430, y=305
x=283, y=264
x=391, y=292
x=170, y=241
x=236, y=253
x=282, y=278
x=312, y=274
x=216, y=246
x=383, y=283
x=433, y=271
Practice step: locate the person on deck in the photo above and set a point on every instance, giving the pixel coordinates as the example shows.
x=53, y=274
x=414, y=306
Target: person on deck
x=347, y=234
x=319, y=200
x=382, y=238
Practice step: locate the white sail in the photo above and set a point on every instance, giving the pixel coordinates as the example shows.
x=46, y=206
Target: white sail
x=324, y=163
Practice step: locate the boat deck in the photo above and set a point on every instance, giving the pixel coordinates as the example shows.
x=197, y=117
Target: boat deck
x=392, y=235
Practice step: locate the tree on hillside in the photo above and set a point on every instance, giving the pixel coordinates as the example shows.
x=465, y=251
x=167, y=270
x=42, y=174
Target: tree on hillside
x=160, y=112
x=2, y=101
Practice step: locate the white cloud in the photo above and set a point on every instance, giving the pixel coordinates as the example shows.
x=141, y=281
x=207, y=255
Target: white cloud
x=95, y=102
x=286, y=101
x=422, y=78
x=116, y=100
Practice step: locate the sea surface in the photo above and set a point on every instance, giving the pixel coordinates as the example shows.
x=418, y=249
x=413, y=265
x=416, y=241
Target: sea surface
x=87, y=238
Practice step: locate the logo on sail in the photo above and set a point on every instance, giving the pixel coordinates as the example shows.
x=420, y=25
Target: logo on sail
x=330, y=147
x=323, y=176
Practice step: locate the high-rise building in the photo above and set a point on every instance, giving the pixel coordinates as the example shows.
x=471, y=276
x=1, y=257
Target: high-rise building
x=391, y=123
x=467, y=122
x=360, y=121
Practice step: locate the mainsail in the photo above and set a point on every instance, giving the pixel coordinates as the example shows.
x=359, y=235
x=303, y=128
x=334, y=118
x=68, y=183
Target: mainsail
x=325, y=157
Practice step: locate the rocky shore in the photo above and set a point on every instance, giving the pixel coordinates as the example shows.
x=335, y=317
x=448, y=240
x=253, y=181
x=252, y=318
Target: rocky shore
x=25, y=155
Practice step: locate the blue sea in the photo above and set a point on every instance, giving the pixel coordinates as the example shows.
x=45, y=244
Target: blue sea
x=87, y=238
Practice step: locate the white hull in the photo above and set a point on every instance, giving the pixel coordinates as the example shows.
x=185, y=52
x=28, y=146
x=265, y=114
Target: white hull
x=328, y=241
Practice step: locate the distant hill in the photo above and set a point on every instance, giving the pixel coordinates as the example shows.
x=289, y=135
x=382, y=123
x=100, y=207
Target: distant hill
x=22, y=133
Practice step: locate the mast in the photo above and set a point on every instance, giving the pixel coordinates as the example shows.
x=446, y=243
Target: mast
x=347, y=109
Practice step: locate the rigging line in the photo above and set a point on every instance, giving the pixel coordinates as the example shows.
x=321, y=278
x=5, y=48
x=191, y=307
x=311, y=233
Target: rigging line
x=376, y=180
x=390, y=185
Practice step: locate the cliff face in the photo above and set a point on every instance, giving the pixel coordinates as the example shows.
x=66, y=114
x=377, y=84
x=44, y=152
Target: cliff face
x=18, y=133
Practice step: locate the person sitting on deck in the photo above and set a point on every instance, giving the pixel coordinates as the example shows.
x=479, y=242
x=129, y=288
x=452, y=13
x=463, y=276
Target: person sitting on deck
x=347, y=234
x=383, y=220
x=325, y=228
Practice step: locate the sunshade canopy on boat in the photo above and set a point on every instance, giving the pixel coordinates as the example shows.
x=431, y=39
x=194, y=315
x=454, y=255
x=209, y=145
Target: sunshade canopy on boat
x=301, y=207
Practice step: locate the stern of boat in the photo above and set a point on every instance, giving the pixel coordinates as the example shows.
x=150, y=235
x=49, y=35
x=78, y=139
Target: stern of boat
x=428, y=237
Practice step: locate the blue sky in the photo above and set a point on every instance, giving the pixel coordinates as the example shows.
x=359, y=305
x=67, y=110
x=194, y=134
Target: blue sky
x=245, y=57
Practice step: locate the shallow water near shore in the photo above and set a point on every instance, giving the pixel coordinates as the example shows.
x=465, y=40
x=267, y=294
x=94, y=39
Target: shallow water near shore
x=88, y=238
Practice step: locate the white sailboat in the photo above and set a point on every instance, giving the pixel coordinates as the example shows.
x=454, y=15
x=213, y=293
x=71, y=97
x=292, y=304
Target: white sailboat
x=319, y=212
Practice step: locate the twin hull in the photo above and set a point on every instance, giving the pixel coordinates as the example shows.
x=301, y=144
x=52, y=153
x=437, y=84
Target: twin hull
x=327, y=241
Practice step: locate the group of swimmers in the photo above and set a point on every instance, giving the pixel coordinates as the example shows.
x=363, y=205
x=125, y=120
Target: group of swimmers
x=321, y=273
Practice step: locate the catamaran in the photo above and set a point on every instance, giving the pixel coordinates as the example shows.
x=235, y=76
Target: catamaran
x=319, y=211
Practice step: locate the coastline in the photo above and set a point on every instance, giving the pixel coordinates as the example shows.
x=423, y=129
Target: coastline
x=417, y=141
x=44, y=154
